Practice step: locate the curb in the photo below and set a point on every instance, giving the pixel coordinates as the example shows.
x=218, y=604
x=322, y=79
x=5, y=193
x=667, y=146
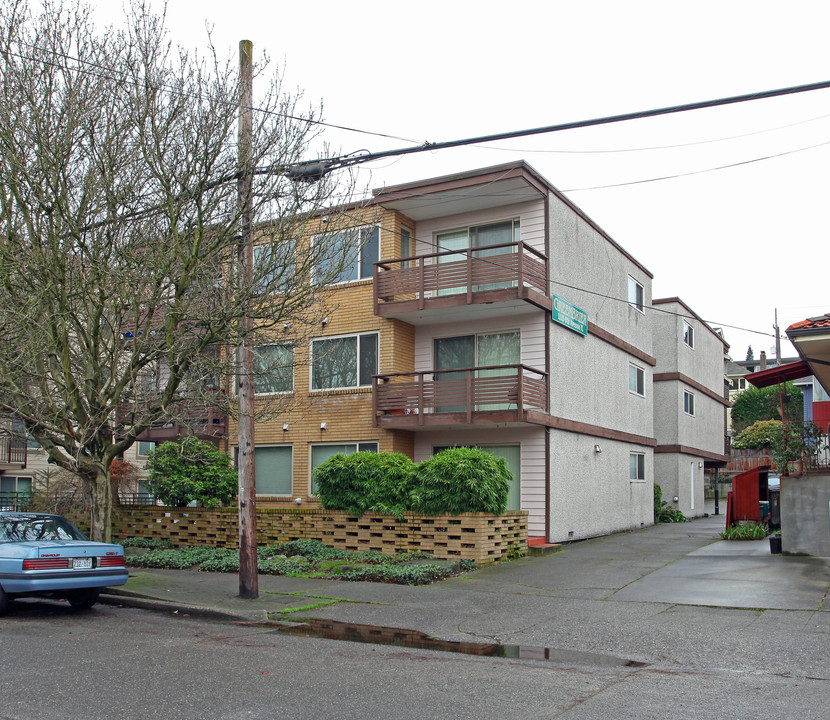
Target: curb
x=114, y=597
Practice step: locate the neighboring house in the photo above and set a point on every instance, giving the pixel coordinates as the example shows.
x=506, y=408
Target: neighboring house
x=16, y=479
x=484, y=308
x=688, y=396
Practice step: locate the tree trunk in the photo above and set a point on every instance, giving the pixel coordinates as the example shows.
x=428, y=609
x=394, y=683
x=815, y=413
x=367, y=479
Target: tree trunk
x=100, y=512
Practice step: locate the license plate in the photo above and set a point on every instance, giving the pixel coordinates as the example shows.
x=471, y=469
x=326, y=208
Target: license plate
x=82, y=563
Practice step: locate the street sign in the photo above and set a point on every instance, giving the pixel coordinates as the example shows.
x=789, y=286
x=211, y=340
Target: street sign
x=569, y=315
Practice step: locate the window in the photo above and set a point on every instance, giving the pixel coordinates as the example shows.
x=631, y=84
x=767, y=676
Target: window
x=468, y=351
x=635, y=295
x=145, y=447
x=636, y=380
x=273, y=369
x=738, y=384
x=688, y=334
x=480, y=238
x=688, y=402
x=274, y=470
x=321, y=453
x=349, y=255
x=274, y=266
x=636, y=466
x=15, y=484
x=343, y=362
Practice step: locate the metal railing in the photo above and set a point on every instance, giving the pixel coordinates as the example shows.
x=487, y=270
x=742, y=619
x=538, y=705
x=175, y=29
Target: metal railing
x=15, y=501
x=13, y=451
x=513, y=388
x=496, y=267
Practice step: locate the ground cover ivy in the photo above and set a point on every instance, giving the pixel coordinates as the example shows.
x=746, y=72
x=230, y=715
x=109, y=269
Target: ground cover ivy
x=308, y=558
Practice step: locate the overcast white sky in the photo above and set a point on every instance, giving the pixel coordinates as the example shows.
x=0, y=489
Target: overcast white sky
x=734, y=244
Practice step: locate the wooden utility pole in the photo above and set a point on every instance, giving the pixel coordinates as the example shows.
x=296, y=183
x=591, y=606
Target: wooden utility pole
x=248, y=578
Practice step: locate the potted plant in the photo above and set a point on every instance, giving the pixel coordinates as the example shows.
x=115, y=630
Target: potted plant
x=788, y=448
x=775, y=542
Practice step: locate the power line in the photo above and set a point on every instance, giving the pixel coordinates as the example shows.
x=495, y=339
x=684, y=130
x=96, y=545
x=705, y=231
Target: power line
x=316, y=168
x=110, y=74
x=698, y=172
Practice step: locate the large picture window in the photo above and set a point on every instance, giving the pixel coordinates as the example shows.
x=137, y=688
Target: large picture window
x=350, y=254
x=344, y=362
x=273, y=369
x=274, y=468
x=321, y=453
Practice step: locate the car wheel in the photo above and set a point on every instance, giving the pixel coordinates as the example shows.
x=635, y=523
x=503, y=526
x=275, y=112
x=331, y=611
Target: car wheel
x=4, y=602
x=83, y=599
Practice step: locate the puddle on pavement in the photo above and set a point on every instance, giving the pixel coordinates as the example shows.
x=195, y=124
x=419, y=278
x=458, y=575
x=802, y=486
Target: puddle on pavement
x=399, y=637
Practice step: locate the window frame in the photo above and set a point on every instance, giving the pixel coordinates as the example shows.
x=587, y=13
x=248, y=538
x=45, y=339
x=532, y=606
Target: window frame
x=637, y=473
x=408, y=238
x=359, y=260
x=358, y=445
x=290, y=391
x=358, y=336
x=689, y=403
x=472, y=231
x=639, y=380
x=638, y=301
x=269, y=446
x=138, y=447
x=688, y=335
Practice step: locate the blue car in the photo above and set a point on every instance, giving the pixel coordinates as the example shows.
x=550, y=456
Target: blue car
x=46, y=555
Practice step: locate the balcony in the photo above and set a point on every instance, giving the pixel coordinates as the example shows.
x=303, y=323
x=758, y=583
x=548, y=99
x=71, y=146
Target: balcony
x=513, y=274
x=13, y=451
x=494, y=394
x=190, y=418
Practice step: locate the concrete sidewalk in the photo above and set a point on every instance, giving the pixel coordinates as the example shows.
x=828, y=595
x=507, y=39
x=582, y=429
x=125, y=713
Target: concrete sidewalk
x=678, y=564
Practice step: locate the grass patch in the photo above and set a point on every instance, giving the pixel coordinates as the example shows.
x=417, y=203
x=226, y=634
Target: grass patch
x=311, y=559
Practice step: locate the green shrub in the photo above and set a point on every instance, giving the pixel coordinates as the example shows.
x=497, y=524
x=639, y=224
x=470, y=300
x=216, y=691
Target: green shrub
x=191, y=470
x=145, y=542
x=663, y=512
x=760, y=435
x=745, y=532
x=365, y=482
x=460, y=480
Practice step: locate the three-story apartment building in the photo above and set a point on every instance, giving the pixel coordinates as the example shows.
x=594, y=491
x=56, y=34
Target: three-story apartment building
x=482, y=309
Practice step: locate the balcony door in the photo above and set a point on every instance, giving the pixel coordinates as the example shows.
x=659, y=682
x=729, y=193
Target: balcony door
x=469, y=351
x=479, y=238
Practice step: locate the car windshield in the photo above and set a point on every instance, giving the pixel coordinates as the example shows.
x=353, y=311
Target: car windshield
x=22, y=529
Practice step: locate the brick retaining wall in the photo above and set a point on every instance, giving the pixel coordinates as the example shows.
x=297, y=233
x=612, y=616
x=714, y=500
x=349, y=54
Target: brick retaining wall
x=481, y=537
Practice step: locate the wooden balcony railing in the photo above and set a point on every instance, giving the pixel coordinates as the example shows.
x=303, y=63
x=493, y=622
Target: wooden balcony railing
x=515, y=269
x=498, y=393
x=195, y=417
x=12, y=451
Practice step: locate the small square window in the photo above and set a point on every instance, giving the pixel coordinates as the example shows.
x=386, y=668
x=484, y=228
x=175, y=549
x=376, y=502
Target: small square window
x=688, y=403
x=145, y=447
x=636, y=380
x=636, y=295
x=688, y=334
x=636, y=466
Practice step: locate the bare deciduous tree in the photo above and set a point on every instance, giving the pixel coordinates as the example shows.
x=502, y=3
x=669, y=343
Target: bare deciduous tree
x=119, y=226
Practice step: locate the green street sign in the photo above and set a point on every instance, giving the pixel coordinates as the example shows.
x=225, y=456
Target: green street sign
x=569, y=315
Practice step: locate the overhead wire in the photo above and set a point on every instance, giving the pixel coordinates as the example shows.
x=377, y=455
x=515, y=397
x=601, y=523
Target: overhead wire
x=172, y=89
x=552, y=283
